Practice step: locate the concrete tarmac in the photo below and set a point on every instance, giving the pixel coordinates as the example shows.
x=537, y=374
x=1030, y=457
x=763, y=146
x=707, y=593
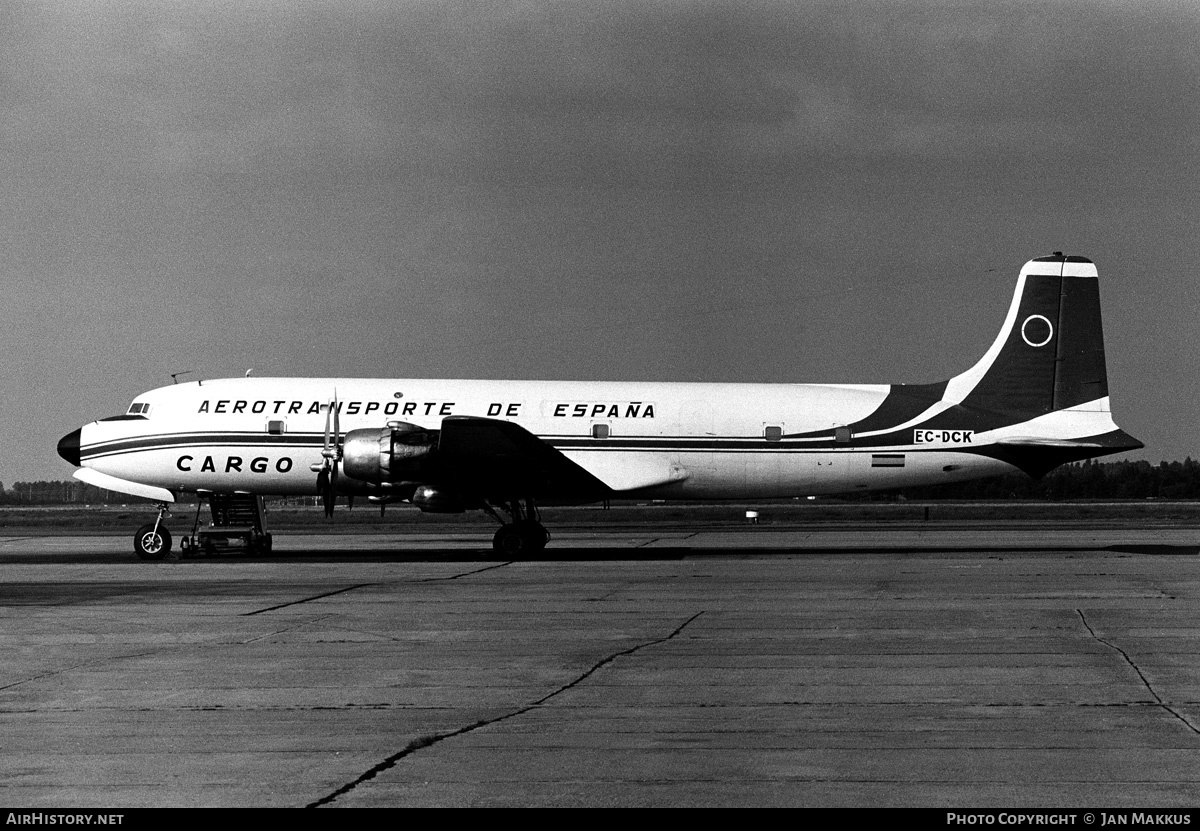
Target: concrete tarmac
x=1001, y=665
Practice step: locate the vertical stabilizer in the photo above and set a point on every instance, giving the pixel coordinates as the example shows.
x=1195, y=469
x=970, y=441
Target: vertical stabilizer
x=1050, y=353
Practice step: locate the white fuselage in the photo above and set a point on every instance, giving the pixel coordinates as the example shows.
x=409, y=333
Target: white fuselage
x=667, y=440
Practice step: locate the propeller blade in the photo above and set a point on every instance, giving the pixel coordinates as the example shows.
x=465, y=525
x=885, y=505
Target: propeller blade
x=331, y=451
x=325, y=448
x=325, y=490
x=337, y=428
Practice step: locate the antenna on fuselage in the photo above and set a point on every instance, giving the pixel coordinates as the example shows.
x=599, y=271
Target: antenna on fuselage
x=176, y=375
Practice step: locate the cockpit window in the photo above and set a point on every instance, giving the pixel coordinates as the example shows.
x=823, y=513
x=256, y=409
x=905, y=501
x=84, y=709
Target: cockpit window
x=138, y=408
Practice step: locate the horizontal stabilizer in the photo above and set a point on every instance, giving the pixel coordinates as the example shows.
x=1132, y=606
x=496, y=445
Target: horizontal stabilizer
x=1034, y=441
x=1038, y=456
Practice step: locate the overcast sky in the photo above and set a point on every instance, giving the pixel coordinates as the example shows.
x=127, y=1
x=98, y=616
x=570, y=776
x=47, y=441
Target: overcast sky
x=726, y=191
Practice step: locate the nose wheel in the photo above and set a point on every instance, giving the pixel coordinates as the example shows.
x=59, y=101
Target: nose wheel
x=153, y=541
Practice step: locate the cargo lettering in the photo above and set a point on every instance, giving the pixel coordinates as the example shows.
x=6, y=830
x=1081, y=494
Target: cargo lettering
x=233, y=464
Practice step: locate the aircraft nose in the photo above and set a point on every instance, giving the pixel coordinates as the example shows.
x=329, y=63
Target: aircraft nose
x=68, y=447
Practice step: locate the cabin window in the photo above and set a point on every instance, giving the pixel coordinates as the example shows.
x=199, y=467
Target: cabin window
x=773, y=433
x=276, y=428
x=842, y=435
x=599, y=431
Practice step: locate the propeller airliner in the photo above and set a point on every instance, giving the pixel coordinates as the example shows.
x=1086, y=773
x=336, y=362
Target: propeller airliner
x=1038, y=398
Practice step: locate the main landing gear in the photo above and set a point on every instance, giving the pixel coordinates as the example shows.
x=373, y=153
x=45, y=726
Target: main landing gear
x=523, y=535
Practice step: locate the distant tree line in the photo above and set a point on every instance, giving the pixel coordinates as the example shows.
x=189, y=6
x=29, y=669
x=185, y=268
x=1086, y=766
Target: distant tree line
x=1082, y=480
x=62, y=492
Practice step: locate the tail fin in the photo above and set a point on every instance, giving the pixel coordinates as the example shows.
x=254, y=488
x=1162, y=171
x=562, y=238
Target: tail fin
x=1050, y=353
x=1041, y=390
x=1038, y=398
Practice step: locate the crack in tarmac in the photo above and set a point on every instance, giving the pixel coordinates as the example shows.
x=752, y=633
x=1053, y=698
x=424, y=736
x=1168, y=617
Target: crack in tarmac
x=467, y=573
x=428, y=741
x=363, y=586
x=299, y=625
x=306, y=599
x=76, y=666
x=650, y=542
x=1145, y=682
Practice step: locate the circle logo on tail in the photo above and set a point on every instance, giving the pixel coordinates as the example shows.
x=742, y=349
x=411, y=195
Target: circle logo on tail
x=1037, y=330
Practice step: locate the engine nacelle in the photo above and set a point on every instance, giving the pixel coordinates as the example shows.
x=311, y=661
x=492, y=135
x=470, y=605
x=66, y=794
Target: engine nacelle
x=393, y=454
x=437, y=500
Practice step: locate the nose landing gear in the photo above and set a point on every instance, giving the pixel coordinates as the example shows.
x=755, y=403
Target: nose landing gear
x=237, y=527
x=153, y=541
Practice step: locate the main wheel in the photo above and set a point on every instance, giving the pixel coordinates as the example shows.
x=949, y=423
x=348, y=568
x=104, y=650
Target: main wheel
x=151, y=544
x=508, y=541
x=520, y=539
x=535, y=534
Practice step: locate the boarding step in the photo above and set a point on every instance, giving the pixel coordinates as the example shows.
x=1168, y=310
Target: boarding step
x=236, y=510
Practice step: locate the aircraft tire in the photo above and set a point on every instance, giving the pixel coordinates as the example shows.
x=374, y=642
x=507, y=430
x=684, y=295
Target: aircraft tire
x=151, y=545
x=520, y=539
x=508, y=541
x=535, y=535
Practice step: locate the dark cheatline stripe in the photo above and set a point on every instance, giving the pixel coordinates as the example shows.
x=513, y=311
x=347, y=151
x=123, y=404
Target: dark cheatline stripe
x=904, y=402
x=299, y=440
x=167, y=441
x=664, y=443
x=957, y=417
x=1031, y=458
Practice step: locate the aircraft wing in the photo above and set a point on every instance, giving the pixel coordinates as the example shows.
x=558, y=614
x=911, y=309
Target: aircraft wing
x=500, y=459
